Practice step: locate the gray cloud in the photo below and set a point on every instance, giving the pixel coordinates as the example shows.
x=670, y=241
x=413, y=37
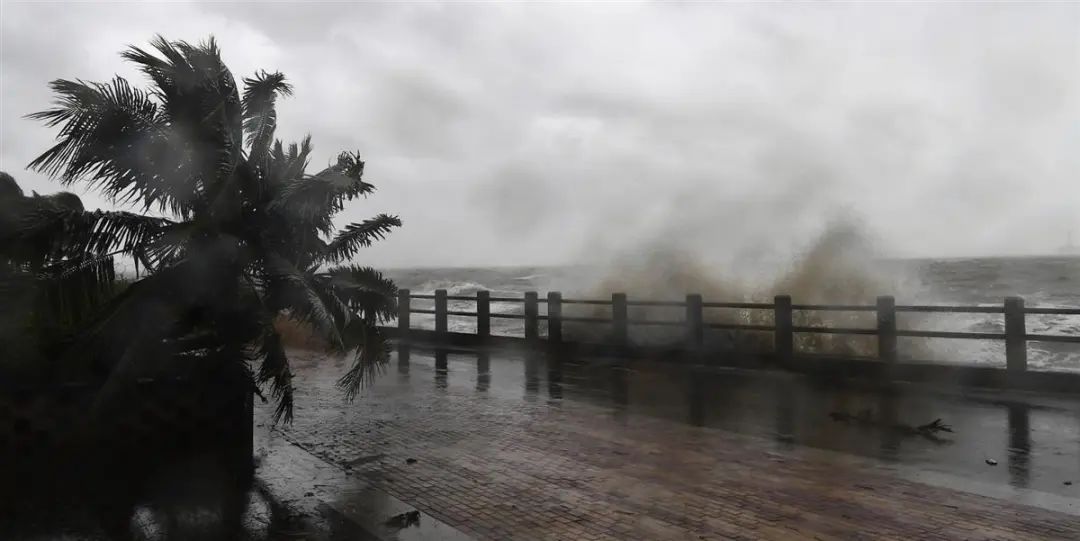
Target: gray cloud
x=546, y=134
x=519, y=201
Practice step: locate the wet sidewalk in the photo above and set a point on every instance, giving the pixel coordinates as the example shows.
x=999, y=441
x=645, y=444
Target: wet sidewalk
x=324, y=501
x=523, y=447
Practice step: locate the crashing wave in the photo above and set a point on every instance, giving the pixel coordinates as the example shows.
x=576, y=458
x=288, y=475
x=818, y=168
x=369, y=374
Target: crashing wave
x=452, y=288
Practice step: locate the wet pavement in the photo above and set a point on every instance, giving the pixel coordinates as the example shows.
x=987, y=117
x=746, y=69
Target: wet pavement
x=501, y=446
x=475, y=445
x=325, y=500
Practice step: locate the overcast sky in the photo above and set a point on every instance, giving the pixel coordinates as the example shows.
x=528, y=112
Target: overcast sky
x=532, y=134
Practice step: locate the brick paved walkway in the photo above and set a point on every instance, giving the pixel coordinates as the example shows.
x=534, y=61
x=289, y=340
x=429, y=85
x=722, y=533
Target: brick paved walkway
x=500, y=460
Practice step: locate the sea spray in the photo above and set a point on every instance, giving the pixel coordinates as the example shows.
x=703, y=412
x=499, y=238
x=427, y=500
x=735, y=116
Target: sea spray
x=661, y=271
x=841, y=266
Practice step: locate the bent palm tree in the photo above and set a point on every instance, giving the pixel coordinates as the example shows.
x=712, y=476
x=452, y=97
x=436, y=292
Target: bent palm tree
x=247, y=235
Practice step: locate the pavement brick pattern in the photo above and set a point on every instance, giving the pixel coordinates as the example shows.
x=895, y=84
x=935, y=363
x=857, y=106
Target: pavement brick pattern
x=499, y=466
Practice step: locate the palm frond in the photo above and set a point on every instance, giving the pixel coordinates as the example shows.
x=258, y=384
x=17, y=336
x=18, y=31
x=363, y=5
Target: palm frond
x=117, y=231
x=91, y=114
x=260, y=116
x=286, y=167
x=115, y=137
x=61, y=233
x=274, y=369
x=372, y=354
x=202, y=104
x=372, y=296
x=290, y=289
x=360, y=235
x=337, y=305
x=171, y=244
x=166, y=71
x=318, y=197
x=298, y=158
x=73, y=290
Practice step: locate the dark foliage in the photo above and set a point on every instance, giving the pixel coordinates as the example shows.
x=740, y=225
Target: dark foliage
x=246, y=234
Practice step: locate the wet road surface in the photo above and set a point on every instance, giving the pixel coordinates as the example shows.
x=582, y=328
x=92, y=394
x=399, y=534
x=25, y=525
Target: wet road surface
x=466, y=444
x=522, y=446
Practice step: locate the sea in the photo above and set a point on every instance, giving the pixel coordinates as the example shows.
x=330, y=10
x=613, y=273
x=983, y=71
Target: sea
x=1040, y=281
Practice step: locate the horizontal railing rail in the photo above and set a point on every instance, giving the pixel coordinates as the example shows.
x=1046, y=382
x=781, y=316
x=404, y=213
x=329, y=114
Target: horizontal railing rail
x=832, y=307
x=743, y=305
x=586, y=301
x=695, y=323
x=740, y=327
x=953, y=309
x=1053, y=311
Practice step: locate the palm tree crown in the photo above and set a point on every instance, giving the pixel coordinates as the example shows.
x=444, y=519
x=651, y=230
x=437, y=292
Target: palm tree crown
x=246, y=236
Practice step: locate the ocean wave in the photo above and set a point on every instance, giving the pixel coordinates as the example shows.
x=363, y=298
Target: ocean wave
x=530, y=277
x=469, y=289
x=453, y=288
x=830, y=272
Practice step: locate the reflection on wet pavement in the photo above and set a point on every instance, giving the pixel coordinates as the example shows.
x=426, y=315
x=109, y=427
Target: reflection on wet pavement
x=1019, y=444
x=441, y=371
x=454, y=444
x=793, y=410
x=501, y=445
x=403, y=359
x=497, y=445
x=483, y=371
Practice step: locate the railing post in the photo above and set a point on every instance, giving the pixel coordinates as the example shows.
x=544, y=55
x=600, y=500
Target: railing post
x=620, y=325
x=1015, y=335
x=403, y=311
x=440, y=311
x=483, y=313
x=783, y=333
x=554, y=316
x=886, y=328
x=531, y=316
x=695, y=322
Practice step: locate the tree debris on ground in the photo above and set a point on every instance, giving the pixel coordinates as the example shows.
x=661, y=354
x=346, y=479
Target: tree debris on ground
x=866, y=417
x=404, y=520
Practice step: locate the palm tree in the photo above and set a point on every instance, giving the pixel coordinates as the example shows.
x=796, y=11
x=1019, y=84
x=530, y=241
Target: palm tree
x=244, y=235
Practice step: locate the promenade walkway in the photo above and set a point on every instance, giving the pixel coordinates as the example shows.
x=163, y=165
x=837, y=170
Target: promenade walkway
x=517, y=447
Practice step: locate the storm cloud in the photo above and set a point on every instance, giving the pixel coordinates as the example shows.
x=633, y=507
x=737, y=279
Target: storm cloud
x=534, y=134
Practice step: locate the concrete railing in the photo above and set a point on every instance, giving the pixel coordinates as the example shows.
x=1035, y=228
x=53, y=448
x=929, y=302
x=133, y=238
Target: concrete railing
x=694, y=324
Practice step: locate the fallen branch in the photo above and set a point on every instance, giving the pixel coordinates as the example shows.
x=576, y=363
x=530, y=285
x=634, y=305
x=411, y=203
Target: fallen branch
x=404, y=520
x=865, y=417
x=935, y=426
